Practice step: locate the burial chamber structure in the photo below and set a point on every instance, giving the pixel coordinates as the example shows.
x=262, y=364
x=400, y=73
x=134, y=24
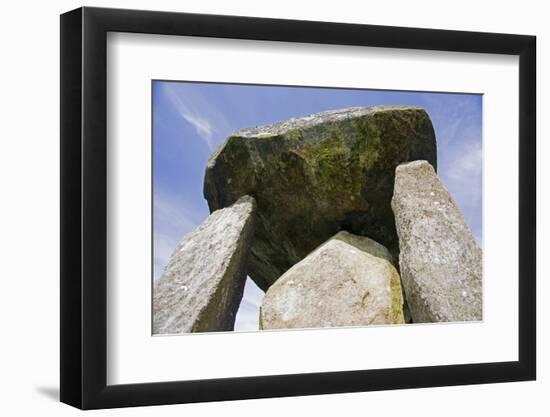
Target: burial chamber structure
x=338, y=216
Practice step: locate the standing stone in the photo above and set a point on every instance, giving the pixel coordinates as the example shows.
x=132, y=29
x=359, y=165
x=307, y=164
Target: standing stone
x=440, y=261
x=316, y=175
x=203, y=283
x=347, y=281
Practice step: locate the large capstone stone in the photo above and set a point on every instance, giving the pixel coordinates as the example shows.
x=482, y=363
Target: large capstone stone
x=315, y=176
x=347, y=281
x=440, y=261
x=202, y=285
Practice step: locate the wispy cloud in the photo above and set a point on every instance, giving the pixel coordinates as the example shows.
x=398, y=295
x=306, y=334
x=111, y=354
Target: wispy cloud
x=173, y=219
x=204, y=127
x=463, y=178
x=457, y=120
x=172, y=211
x=467, y=162
x=163, y=247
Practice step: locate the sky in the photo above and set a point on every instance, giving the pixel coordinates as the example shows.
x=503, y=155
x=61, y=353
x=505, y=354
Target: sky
x=191, y=119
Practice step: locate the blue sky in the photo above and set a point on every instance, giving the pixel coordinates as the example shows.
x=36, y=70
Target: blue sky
x=191, y=119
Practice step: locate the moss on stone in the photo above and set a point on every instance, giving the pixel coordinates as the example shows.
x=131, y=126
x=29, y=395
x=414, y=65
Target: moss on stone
x=260, y=320
x=397, y=315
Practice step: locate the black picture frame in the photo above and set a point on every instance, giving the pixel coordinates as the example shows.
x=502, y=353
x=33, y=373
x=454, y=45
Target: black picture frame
x=84, y=207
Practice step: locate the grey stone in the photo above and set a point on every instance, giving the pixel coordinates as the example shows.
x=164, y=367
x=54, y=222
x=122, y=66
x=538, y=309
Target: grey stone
x=202, y=285
x=316, y=175
x=347, y=281
x=440, y=261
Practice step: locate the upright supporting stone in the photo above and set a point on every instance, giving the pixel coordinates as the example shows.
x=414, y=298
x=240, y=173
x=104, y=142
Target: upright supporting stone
x=440, y=261
x=202, y=286
x=347, y=281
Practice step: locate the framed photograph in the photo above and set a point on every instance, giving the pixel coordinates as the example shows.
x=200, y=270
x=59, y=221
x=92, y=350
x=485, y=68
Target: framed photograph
x=257, y=208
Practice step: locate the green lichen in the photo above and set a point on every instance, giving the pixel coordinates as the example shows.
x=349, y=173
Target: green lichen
x=294, y=134
x=396, y=313
x=260, y=320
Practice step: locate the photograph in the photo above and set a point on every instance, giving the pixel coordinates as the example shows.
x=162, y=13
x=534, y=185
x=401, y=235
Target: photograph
x=296, y=207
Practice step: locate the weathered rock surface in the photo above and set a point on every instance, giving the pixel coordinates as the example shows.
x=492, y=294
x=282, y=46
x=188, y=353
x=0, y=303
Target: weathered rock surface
x=203, y=283
x=316, y=175
x=440, y=261
x=347, y=281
